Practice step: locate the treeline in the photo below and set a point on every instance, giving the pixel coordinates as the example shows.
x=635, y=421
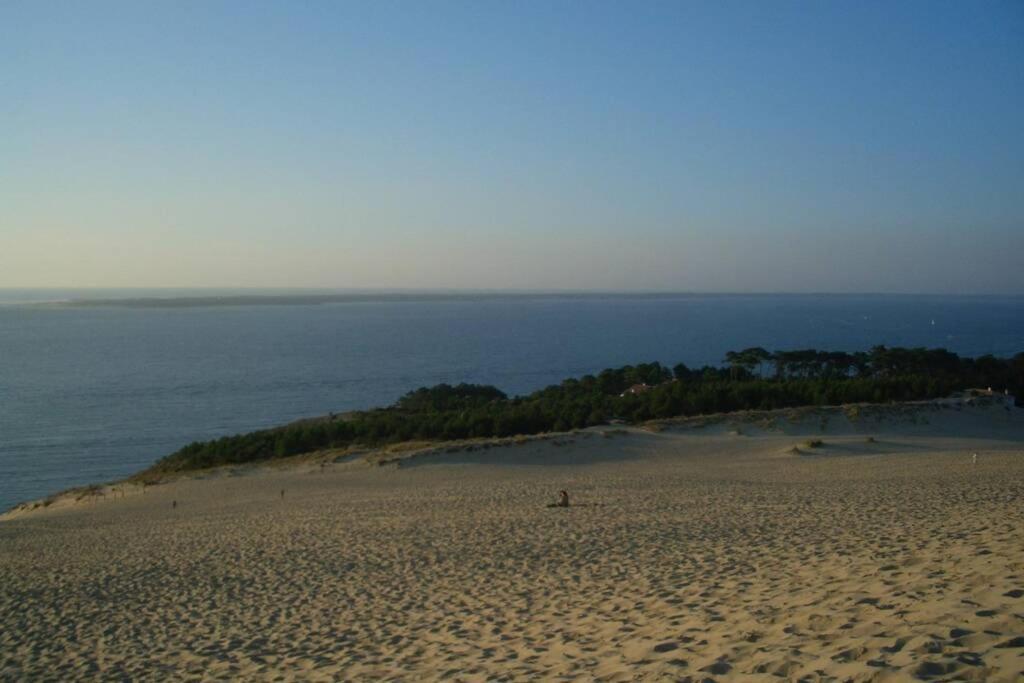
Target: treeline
x=750, y=379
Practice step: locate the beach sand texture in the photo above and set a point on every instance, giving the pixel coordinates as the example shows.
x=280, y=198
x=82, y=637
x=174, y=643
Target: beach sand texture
x=689, y=554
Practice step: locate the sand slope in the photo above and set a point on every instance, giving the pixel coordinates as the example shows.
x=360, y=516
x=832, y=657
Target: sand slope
x=689, y=554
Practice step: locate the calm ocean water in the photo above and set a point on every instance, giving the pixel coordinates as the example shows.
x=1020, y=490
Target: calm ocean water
x=93, y=393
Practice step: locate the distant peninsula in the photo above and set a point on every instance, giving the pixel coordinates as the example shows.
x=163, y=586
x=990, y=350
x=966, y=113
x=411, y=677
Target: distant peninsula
x=226, y=299
x=751, y=379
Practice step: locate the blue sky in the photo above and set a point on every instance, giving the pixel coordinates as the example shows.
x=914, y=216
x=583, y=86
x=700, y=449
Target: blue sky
x=711, y=146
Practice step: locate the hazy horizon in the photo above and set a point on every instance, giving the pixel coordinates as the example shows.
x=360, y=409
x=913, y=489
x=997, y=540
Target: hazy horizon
x=697, y=148
x=245, y=296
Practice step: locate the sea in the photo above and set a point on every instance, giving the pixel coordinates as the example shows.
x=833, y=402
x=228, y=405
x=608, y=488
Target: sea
x=98, y=384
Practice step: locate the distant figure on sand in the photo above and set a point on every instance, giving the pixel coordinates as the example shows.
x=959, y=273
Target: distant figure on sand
x=974, y=459
x=563, y=500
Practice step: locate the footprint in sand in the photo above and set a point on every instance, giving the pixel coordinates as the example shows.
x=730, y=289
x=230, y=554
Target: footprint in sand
x=1013, y=642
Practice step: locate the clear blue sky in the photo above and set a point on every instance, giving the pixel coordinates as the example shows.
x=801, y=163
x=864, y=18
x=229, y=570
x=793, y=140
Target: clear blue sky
x=697, y=146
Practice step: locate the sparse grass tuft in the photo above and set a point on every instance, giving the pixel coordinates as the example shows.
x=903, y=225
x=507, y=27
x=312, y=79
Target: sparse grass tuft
x=406, y=446
x=91, y=491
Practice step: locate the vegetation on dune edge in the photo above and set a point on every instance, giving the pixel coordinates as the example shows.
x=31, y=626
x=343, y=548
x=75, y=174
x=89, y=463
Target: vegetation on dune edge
x=753, y=379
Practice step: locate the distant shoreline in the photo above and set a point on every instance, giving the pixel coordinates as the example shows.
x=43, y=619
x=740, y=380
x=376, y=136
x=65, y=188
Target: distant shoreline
x=203, y=298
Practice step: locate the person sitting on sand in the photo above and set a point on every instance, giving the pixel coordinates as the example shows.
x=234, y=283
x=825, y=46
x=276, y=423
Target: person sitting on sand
x=563, y=500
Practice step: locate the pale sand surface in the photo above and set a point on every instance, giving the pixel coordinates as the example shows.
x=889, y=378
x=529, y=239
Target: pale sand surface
x=688, y=554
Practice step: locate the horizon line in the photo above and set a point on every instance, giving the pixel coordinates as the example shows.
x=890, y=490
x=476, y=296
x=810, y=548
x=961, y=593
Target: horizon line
x=261, y=290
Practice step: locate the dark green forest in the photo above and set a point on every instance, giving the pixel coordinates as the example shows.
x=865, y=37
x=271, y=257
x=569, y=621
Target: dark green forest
x=752, y=379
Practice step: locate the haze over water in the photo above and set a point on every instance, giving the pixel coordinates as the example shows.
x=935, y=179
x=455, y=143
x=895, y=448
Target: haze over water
x=96, y=392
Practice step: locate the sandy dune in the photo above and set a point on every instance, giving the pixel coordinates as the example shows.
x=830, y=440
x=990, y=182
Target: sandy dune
x=720, y=553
